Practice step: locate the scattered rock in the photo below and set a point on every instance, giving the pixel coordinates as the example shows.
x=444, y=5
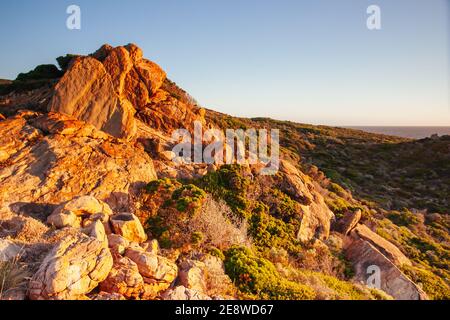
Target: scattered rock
x=118, y=243
x=349, y=221
x=128, y=226
x=192, y=275
x=96, y=230
x=153, y=266
x=124, y=279
x=387, y=248
x=151, y=246
x=367, y=259
x=108, y=296
x=182, y=293
x=72, y=269
x=64, y=219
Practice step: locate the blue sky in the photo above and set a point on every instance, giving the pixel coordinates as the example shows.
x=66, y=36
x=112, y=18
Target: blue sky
x=306, y=61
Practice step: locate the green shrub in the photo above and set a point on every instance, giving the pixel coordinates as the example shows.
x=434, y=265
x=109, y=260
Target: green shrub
x=215, y=252
x=197, y=238
x=188, y=197
x=334, y=187
x=64, y=61
x=230, y=185
x=45, y=71
x=434, y=286
x=404, y=218
x=258, y=276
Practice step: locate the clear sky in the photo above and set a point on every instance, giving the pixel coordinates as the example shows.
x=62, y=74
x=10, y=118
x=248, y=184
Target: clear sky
x=310, y=61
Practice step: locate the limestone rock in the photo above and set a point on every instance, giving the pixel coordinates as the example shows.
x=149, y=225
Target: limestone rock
x=387, y=248
x=153, y=266
x=192, y=275
x=349, y=221
x=71, y=213
x=64, y=219
x=124, y=279
x=96, y=230
x=86, y=91
x=128, y=226
x=316, y=216
x=72, y=269
x=118, y=243
x=151, y=246
x=367, y=258
x=182, y=293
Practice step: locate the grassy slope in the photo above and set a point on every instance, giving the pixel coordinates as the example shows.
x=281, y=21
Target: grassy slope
x=402, y=185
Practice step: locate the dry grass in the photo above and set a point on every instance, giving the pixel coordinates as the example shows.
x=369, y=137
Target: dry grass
x=13, y=275
x=219, y=225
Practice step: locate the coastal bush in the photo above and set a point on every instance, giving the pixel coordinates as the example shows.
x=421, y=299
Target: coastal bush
x=44, y=71
x=434, y=286
x=258, y=276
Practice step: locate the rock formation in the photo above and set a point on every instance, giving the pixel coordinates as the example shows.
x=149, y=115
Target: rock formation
x=82, y=208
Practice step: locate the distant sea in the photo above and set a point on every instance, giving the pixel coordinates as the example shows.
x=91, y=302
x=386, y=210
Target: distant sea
x=407, y=132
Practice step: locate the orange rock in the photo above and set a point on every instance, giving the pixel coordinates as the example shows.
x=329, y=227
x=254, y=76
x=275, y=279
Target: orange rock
x=71, y=270
x=124, y=279
x=86, y=91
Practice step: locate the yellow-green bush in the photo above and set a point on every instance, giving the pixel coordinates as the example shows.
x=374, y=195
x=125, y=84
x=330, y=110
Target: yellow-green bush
x=435, y=287
x=258, y=276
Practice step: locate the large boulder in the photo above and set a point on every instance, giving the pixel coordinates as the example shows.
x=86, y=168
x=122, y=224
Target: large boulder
x=124, y=279
x=87, y=92
x=387, y=248
x=128, y=226
x=152, y=266
x=192, y=275
x=367, y=259
x=72, y=269
x=316, y=216
x=348, y=222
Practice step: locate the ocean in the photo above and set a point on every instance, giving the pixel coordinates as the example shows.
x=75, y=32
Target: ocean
x=406, y=132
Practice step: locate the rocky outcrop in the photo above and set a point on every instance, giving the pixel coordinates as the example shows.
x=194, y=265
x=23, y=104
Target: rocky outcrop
x=316, y=216
x=72, y=213
x=106, y=88
x=153, y=266
x=86, y=92
x=192, y=275
x=387, y=248
x=72, y=269
x=50, y=159
x=128, y=226
x=124, y=279
x=348, y=222
x=369, y=262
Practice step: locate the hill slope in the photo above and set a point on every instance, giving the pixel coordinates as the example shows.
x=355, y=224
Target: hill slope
x=86, y=162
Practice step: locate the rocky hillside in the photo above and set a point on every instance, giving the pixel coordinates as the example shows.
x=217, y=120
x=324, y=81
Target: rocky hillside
x=94, y=204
